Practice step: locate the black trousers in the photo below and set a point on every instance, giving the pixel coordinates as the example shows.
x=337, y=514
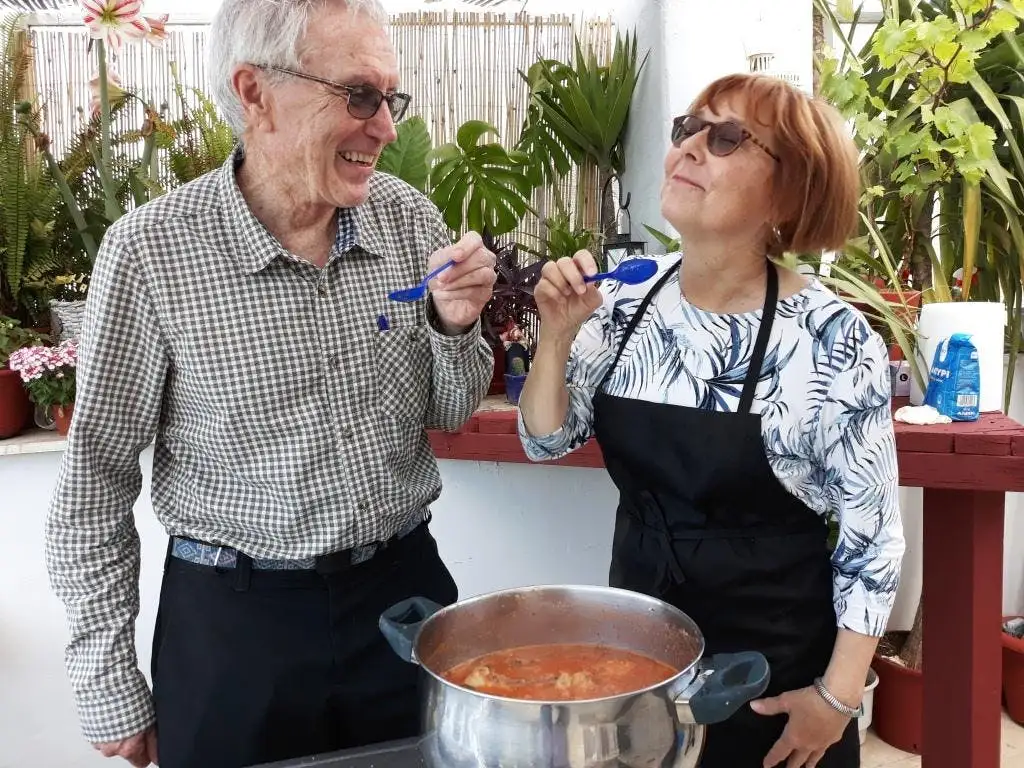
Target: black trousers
x=284, y=664
x=744, y=740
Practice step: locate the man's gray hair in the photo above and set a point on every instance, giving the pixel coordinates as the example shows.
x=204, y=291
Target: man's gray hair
x=267, y=32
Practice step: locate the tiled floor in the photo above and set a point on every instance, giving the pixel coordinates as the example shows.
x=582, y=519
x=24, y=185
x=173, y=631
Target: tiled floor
x=876, y=753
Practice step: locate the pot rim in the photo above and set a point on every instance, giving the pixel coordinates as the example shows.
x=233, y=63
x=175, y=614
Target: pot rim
x=586, y=588
x=887, y=661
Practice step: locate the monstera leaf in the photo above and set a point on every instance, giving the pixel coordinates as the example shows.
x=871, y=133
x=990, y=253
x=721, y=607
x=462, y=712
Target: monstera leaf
x=480, y=185
x=407, y=157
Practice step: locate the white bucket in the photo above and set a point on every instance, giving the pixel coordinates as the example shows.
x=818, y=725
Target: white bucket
x=984, y=321
x=869, y=698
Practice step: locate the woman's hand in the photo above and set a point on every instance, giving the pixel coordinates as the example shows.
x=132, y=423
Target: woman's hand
x=564, y=301
x=812, y=728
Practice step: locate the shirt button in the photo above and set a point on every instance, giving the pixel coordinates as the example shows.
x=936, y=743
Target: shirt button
x=334, y=361
x=346, y=432
x=363, y=506
x=321, y=290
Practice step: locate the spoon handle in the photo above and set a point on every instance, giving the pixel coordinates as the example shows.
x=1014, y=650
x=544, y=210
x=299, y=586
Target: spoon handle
x=598, y=276
x=430, y=276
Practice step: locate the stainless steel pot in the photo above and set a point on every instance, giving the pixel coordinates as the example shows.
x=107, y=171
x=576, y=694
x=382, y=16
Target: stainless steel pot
x=658, y=726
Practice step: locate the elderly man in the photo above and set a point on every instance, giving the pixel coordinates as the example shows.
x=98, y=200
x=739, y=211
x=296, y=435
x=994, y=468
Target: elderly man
x=242, y=322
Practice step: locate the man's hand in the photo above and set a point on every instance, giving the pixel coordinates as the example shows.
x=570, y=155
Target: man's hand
x=461, y=291
x=139, y=750
x=812, y=728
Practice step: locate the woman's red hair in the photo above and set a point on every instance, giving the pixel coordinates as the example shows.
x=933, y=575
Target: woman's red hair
x=817, y=183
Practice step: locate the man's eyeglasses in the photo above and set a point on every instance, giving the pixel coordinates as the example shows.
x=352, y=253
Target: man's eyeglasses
x=363, y=100
x=723, y=138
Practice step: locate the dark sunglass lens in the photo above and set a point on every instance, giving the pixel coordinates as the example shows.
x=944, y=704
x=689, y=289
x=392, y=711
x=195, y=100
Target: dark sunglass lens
x=685, y=127
x=364, y=102
x=724, y=138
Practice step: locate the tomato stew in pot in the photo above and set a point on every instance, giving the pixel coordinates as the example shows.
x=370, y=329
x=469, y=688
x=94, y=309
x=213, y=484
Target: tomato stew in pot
x=559, y=672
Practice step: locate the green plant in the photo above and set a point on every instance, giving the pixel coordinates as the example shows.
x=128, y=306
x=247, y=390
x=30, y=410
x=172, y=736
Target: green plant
x=670, y=243
x=13, y=337
x=517, y=367
x=408, y=156
x=28, y=198
x=197, y=143
x=562, y=239
x=110, y=22
x=928, y=97
x=580, y=112
x=479, y=186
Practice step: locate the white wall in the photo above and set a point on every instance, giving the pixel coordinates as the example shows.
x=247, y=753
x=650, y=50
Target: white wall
x=497, y=525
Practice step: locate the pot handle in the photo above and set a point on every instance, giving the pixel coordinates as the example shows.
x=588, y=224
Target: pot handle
x=734, y=679
x=400, y=624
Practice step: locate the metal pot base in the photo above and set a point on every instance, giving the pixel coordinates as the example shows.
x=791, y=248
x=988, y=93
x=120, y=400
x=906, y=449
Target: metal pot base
x=645, y=734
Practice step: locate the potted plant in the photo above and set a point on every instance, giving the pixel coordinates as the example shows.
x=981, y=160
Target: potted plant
x=928, y=96
x=96, y=183
x=514, y=380
x=511, y=305
x=939, y=159
x=15, y=406
x=1013, y=667
x=49, y=376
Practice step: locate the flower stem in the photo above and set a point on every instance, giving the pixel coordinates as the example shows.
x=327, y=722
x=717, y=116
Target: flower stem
x=111, y=208
x=72, y=205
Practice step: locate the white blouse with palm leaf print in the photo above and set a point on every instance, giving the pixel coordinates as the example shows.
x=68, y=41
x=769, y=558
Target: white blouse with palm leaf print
x=824, y=400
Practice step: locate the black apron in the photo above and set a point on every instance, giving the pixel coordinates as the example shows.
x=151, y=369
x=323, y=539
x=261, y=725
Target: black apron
x=704, y=524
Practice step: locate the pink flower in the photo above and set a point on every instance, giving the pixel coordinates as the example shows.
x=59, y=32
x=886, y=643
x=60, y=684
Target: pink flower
x=114, y=91
x=157, y=30
x=114, y=20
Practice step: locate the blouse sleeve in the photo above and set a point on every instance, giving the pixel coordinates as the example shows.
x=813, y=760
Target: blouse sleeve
x=859, y=457
x=592, y=352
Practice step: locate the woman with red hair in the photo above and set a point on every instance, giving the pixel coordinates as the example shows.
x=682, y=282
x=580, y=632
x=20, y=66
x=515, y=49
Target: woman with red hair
x=740, y=406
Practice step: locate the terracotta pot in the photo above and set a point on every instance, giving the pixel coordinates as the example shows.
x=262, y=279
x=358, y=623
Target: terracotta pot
x=15, y=407
x=62, y=417
x=897, y=704
x=1013, y=675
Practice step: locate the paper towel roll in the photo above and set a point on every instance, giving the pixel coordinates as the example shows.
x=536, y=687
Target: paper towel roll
x=984, y=321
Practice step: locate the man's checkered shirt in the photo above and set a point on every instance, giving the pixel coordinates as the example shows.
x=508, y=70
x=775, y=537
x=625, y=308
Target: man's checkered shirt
x=286, y=424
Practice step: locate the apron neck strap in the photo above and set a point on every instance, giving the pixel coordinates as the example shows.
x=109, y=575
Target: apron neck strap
x=635, y=320
x=764, y=332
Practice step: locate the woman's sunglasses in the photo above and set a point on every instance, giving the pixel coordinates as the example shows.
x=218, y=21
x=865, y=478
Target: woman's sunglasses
x=363, y=100
x=723, y=138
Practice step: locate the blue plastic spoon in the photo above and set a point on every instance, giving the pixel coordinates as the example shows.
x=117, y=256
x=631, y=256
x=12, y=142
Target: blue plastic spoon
x=631, y=272
x=417, y=292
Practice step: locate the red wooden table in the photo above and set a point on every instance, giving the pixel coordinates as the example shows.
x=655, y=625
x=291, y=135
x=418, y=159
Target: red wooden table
x=965, y=470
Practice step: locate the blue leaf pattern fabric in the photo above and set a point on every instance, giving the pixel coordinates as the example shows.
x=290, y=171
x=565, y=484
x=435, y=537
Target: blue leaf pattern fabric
x=823, y=395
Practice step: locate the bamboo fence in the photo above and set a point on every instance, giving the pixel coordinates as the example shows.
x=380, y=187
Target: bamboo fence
x=457, y=66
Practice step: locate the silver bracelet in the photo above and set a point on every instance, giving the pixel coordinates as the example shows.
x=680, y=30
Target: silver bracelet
x=835, y=703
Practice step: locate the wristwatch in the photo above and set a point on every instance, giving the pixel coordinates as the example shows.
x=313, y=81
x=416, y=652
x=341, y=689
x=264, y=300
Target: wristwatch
x=835, y=703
